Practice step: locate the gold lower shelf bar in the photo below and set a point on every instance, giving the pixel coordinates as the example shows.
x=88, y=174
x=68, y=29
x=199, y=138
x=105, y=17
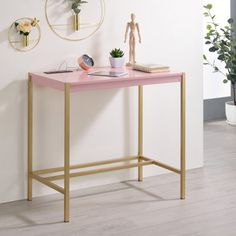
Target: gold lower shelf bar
x=101, y=170
x=48, y=183
x=171, y=168
x=85, y=165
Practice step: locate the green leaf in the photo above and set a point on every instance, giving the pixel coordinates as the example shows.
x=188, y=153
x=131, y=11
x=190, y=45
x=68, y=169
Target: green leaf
x=214, y=40
x=221, y=57
x=77, y=10
x=225, y=81
x=209, y=27
x=204, y=57
x=208, y=6
x=233, y=76
x=223, y=42
x=213, y=49
x=229, y=64
x=74, y=5
x=230, y=21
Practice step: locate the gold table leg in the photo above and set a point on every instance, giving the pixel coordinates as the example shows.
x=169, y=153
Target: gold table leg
x=30, y=136
x=140, y=131
x=182, y=138
x=67, y=154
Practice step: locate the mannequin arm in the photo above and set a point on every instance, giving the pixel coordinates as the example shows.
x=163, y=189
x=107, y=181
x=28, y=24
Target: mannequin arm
x=126, y=32
x=139, y=35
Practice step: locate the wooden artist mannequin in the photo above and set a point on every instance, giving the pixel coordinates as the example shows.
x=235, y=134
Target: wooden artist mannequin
x=132, y=26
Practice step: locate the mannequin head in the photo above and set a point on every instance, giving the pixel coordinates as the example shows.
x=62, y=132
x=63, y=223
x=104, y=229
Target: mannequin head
x=133, y=17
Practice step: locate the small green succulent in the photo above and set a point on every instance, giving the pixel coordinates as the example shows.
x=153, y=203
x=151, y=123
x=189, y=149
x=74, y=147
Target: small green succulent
x=76, y=4
x=117, y=53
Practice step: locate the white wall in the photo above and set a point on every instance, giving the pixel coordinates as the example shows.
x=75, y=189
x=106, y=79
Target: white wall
x=104, y=124
x=213, y=82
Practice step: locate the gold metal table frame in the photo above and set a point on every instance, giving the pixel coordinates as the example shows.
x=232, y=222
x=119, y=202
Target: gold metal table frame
x=140, y=159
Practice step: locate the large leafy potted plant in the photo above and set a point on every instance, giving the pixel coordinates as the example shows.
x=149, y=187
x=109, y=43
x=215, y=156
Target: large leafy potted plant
x=222, y=42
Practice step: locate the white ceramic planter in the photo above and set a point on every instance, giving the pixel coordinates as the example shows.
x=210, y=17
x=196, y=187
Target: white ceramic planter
x=230, y=110
x=117, y=62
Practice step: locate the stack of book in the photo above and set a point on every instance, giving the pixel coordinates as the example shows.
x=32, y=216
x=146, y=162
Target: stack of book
x=151, y=68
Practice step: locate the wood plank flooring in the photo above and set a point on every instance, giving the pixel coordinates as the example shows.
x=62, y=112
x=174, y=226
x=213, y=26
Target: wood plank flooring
x=150, y=208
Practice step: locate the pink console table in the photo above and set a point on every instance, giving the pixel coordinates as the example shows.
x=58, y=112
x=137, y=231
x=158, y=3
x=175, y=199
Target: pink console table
x=80, y=81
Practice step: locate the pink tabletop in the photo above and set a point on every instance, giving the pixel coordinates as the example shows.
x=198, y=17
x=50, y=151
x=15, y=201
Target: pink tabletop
x=81, y=81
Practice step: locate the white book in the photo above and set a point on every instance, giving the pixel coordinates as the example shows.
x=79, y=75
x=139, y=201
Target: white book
x=151, y=67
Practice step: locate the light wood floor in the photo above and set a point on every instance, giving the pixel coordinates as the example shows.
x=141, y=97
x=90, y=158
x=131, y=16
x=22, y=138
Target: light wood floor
x=150, y=208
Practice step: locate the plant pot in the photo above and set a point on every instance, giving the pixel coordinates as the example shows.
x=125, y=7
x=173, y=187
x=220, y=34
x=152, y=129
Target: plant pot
x=117, y=62
x=230, y=110
x=76, y=22
x=25, y=40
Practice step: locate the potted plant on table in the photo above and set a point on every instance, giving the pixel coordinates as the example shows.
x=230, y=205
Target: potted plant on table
x=117, y=58
x=222, y=42
x=76, y=7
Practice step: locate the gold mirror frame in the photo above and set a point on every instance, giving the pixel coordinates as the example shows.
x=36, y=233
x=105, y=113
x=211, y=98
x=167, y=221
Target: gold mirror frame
x=12, y=43
x=102, y=2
